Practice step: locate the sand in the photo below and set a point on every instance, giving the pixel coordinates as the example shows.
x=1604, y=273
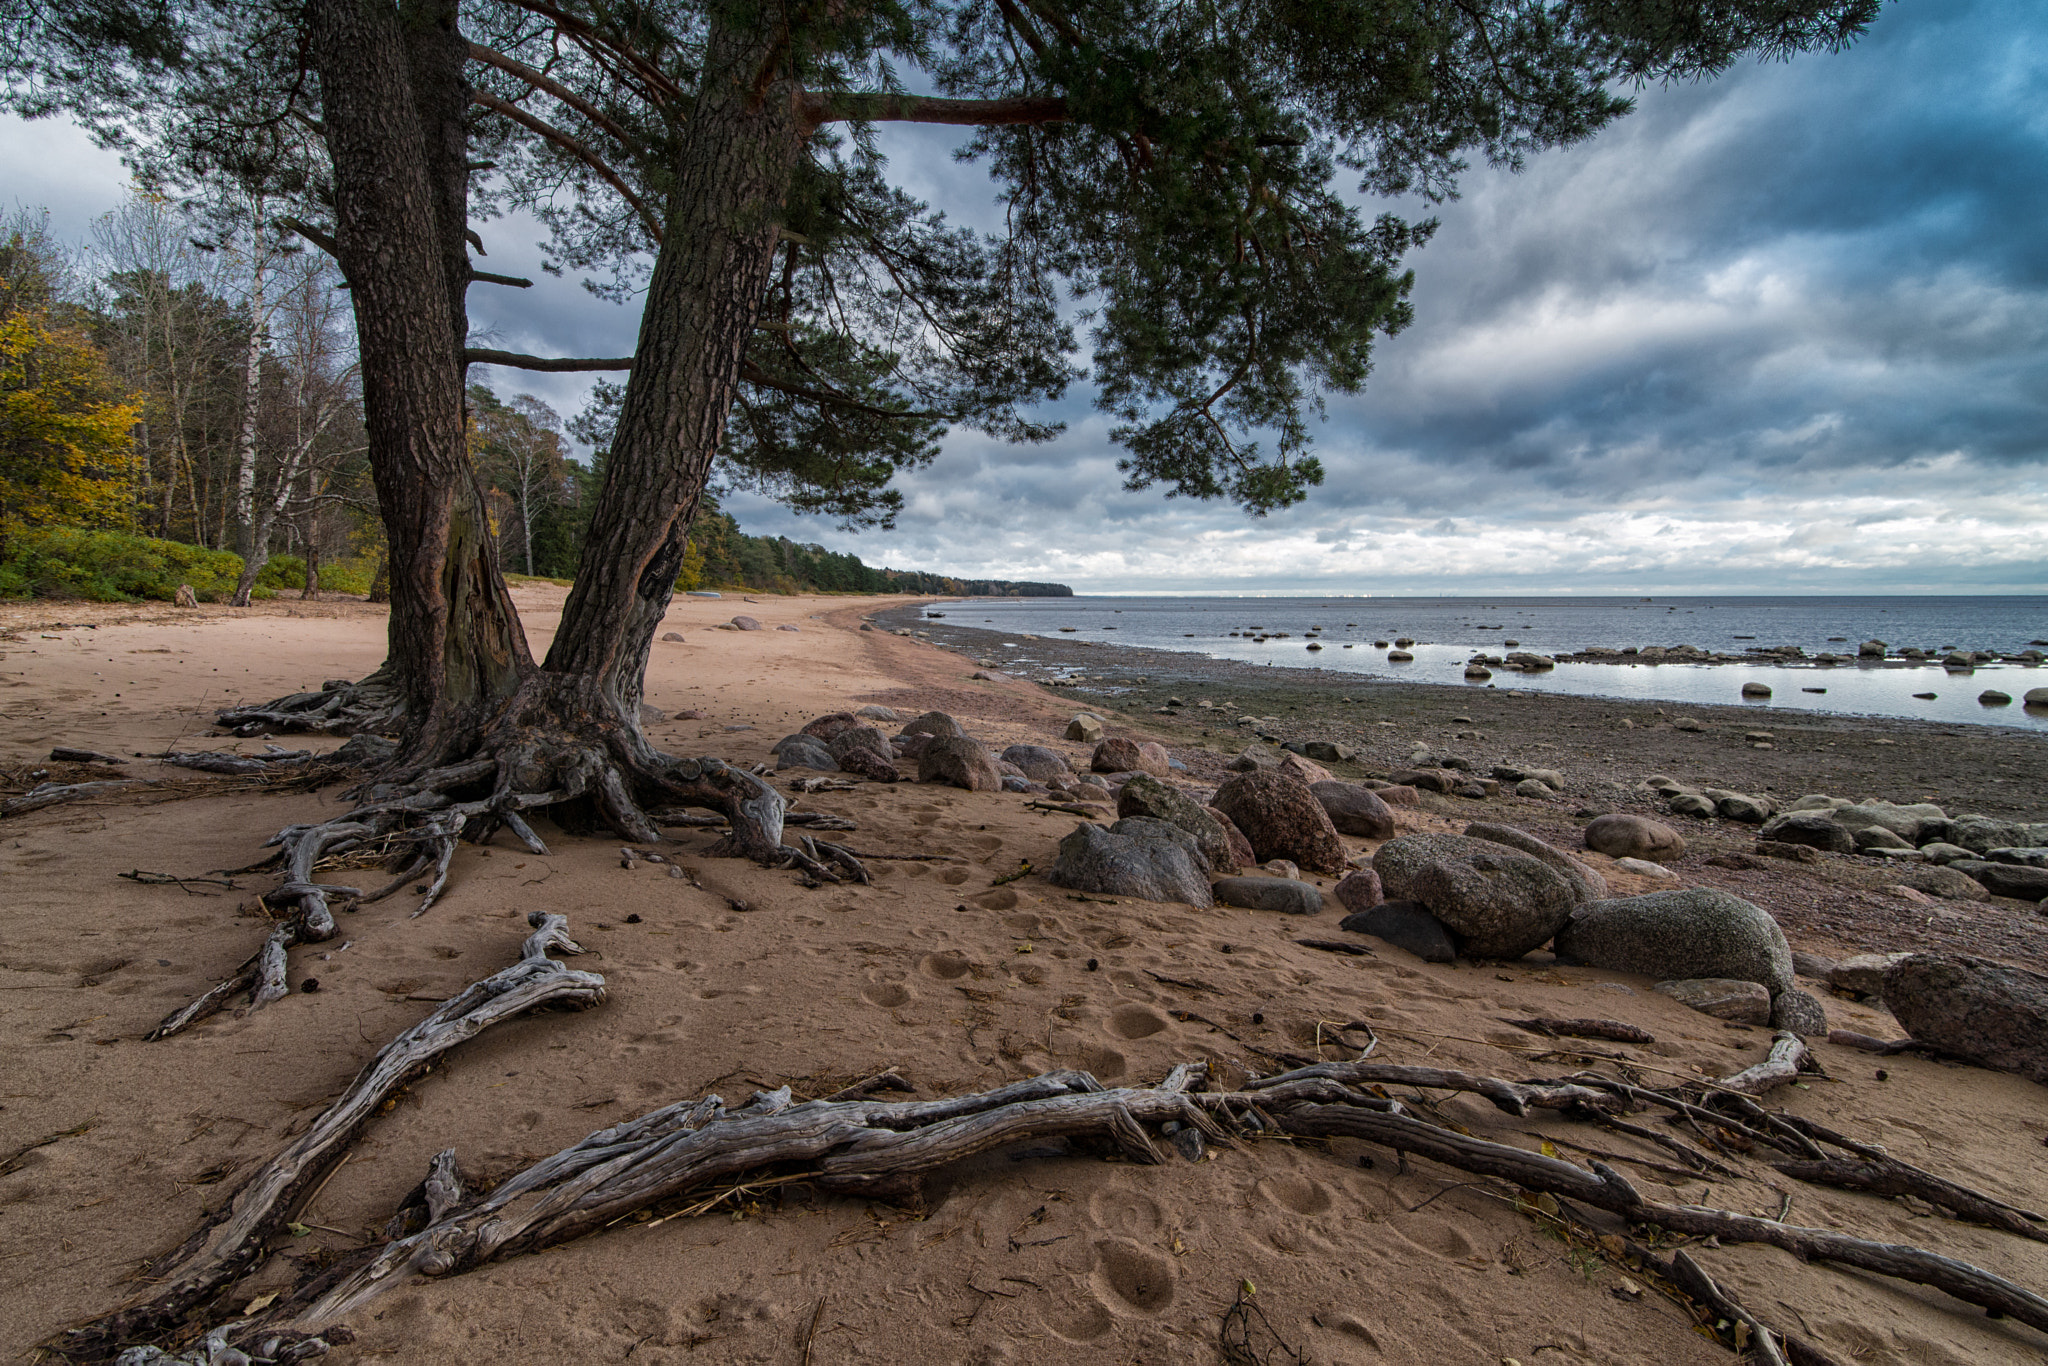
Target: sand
x=959, y=984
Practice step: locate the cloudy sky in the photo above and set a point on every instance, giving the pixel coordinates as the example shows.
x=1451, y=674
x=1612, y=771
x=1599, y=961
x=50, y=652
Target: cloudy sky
x=1785, y=332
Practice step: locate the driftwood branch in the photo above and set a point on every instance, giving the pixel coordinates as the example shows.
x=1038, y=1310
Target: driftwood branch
x=235, y=1238
x=1789, y=1057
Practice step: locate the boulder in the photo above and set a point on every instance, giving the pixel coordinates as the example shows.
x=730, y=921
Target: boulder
x=1282, y=867
x=1819, y=802
x=1981, y=834
x=1939, y=852
x=1903, y=821
x=1549, y=777
x=1359, y=891
x=1241, y=854
x=1499, y=902
x=1812, y=965
x=1586, y=884
x=1992, y=1014
x=1354, y=810
x=1405, y=925
x=1282, y=819
x=2008, y=879
x=2029, y=858
x=1085, y=727
x=1038, y=762
x=1871, y=649
x=1801, y=1013
x=1307, y=770
x=1810, y=828
x=1252, y=759
x=1145, y=795
x=801, y=751
x=933, y=723
x=1116, y=756
x=1695, y=804
x=1529, y=787
x=1269, y=894
x=1135, y=863
x=856, y=751
x=875, y=711
x=1725, y=998
x=1153, y=758
x=1324, y=752
x=1946, y=883
x=674, y=637
x=1741, y=806
x=962, y=762
x=2035, y=697
x=746, y=623
x=1623, y=836
x=825, y=727
x=1689, y=932
x=1862, y=974
x=1423, y=780
x=1397, y=794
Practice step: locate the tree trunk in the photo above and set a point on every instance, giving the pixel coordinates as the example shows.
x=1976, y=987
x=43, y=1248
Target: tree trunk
x=733, y=172
x=252, y=385
x=393, y=101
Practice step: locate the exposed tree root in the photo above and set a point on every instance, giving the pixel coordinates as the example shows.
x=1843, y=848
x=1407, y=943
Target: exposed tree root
x=55, y=794
x=341, y=707
x=236, y=1236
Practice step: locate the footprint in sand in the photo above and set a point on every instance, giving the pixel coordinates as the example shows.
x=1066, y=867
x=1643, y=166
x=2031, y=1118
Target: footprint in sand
x=953, y=877
x=1126, y=1212
x=1101, y=1062
x=1082, y=1323
x=999, y=899
x=1296, y=1194
x=1136, y=1022
x=944, y=966
x=1128, y=1276
x=886, y=994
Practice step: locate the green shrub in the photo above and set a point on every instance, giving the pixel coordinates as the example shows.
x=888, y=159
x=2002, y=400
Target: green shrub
x=109, y=566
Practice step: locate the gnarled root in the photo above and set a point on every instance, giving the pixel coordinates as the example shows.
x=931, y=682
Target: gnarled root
x=233, y=1241
x=341, y=707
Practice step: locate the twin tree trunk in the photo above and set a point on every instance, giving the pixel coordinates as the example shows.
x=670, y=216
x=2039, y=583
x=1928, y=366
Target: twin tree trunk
x=464, y=680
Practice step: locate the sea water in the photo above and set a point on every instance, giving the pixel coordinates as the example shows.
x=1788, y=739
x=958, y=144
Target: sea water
x=1449, y=631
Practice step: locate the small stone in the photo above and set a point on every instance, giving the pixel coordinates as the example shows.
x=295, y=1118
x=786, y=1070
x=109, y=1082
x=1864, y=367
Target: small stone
x=1811, y=828
x=745, y=624
x=874, y=711
x=673, y=636
x=1269, y=894
x=933, y=723
x=1796, y=853
x=1756, y=690
x=1284, y=868
x=1645, y=868
x=1724, y=998
x=1946, y=883
x=1085, y=727
x=1863, y=974
x=1406, y=925
x=1359, y=891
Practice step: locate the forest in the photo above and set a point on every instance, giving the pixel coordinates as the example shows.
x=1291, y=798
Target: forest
x=180, y=404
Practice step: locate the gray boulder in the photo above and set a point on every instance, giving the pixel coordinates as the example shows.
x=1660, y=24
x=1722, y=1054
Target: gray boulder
x=1878, y=837
x=1141, y=862
x=1253, y=758
x=2027, y=858
x=961, y=762
x=866, y=751
x=1981, y=834
x=933, y=723
x=1038, y=762
x=1724, y=998
x=1697, y=804
x=1499, y=902
x=1800, y=1012
x=801, y=751
x=1405, y=925
x=1586, y=884
x=1354, y=810
x=1992, y=1014
x=1819, y=802
x=1145, y=796
x=1623, y=836
x=1946, y=883
x=1862, y=974
x=1085, y=727
x=875, y=711
x=1940, y=852
x=1269, y=894
x=1689, y=932
x=1810, y=828
x=2007, y=879
x=1903, y=821
x=1741, y=806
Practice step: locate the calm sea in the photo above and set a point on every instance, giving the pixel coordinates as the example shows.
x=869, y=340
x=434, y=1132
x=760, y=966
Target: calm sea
x=1447, y=631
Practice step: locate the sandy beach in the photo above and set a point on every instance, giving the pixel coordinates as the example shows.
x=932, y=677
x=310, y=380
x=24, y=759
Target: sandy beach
x=734, y=978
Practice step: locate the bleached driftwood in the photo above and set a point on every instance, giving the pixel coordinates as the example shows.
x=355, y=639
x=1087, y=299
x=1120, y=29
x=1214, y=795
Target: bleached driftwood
x=232, y=1241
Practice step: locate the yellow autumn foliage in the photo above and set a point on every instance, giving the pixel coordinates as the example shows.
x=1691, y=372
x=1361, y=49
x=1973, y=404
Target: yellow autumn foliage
x=65, y=429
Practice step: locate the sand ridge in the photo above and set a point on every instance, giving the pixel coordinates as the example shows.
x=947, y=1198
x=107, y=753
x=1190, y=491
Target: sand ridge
x=959, y=983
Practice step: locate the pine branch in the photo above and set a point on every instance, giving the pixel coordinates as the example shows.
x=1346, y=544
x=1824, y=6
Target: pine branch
x=548, y=85
x=577, y=148
x=870, y=108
